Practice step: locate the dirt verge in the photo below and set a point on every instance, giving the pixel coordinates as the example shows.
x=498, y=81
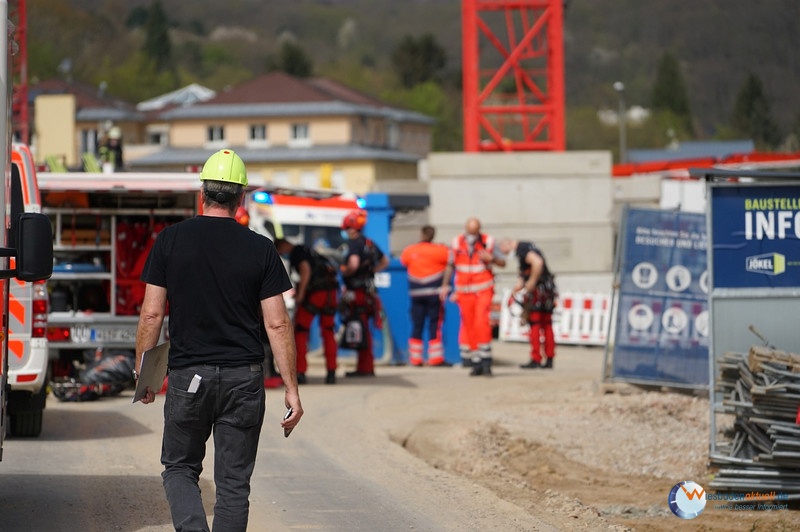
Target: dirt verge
x=572, y=451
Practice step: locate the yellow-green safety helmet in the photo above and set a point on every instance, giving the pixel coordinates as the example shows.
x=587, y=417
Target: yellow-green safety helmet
x=225, y=166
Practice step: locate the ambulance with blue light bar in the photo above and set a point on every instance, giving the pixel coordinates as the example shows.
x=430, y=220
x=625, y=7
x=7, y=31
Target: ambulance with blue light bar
x=302, y=216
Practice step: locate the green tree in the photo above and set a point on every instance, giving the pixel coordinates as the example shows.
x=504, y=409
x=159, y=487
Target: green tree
x=157, y=45
x=429, y=98
x=669, y=93
x=136, y=78
x=137, y=17
x=197, y=27
x=418, y=60
x=752, y=115
x=291, y=59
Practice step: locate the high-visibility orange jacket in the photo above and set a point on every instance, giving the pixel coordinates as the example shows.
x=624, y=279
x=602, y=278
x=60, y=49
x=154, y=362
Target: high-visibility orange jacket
x=425, y=262
x=471, y=273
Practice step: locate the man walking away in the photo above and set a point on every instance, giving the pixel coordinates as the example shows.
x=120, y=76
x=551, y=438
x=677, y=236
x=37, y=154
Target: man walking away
x=216, y=276
x=426, y=263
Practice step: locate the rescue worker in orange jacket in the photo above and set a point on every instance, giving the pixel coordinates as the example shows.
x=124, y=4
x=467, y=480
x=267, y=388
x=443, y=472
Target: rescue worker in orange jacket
x=426, y=263
x=359, y=300
x=472, y=256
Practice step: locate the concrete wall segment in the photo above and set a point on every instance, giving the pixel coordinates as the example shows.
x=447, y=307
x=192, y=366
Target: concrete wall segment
x=532, y=200
x=562, y=201
x=481, y=165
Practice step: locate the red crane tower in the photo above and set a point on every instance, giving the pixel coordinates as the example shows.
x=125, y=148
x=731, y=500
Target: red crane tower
x=19, y=95
x=515, y=102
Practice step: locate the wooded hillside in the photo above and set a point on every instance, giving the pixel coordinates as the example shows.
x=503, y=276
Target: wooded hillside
x=716, y=43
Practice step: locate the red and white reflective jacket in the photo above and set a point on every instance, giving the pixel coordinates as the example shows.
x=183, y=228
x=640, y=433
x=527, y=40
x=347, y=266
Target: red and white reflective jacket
x=472, y=274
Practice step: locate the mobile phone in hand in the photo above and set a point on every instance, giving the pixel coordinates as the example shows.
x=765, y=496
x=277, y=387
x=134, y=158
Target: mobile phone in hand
x=286, y=432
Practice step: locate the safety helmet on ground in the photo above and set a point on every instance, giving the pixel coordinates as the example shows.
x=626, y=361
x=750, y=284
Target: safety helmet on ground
x=225, y=166
x=355, y=219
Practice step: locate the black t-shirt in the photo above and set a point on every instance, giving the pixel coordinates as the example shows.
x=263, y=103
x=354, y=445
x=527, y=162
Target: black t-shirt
x=216, y=273
x=297, y=256
x=523, y=248
x=324, y=276
x=369, y=256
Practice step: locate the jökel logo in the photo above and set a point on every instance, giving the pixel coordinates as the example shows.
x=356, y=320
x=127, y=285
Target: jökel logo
x=767, y=264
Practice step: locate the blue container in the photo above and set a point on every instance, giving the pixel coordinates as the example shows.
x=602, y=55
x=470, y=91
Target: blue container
x=393, y=290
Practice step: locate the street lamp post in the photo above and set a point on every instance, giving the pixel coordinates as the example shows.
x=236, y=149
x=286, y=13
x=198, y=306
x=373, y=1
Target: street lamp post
x=622, y=117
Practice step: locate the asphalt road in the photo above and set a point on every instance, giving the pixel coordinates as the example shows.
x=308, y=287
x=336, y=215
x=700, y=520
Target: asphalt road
x=96, y=465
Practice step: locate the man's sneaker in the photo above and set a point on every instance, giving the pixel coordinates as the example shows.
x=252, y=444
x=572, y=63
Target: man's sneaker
x=548, y=364
x=360, y=374
x=330, y=378
x=531, y=365
x=477, y=367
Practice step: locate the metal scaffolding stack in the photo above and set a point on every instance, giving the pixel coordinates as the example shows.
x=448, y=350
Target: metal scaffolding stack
x=761, y=451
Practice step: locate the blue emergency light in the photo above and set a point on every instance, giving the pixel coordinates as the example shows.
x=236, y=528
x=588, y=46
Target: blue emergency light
x=262, y=197
x=361, y=202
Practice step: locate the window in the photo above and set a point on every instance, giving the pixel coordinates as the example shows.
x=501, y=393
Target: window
x=299, y=131
x=299, y=135
x=393, y=135
x=316, y=236
x=257, y=136
x=158, y=134
x=258, y=132
x=215, y=137
x=216, y=134
x=89, y=141
x=338, y=180
x=309, y=179
x=281, y=178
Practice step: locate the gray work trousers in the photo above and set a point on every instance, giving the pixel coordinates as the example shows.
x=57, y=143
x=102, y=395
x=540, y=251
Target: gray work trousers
x=230, y=402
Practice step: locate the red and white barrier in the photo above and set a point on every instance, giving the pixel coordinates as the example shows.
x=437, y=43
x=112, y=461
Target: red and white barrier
x=580, y=318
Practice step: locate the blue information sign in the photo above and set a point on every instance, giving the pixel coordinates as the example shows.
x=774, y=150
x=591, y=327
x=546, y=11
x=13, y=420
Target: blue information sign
x=662, y=316
x=755, y=232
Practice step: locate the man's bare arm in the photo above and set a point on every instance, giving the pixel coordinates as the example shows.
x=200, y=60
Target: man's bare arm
x=305, y=277
x=446, y=278
x=382, y=264
x=351, y=266
x=537, y=267
x=281, y=339
x=151, y=319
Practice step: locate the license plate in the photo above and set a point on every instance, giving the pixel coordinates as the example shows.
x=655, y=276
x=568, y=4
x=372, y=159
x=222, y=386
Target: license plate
x=82, y=334
x=113, y=335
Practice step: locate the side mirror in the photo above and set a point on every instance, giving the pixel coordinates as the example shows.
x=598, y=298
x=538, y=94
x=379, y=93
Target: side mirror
x=34, y=247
